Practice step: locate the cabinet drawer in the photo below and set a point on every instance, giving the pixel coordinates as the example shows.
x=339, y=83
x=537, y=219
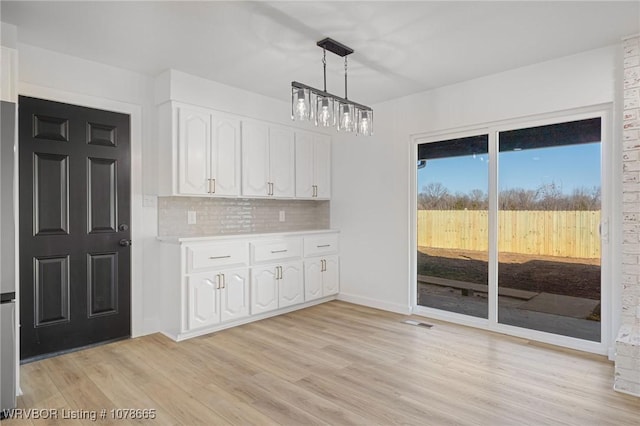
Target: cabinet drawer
x=213, y=256
x=265, y=251
x=320, y=244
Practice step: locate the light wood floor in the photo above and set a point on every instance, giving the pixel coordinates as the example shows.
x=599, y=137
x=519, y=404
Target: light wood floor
x=339, y=364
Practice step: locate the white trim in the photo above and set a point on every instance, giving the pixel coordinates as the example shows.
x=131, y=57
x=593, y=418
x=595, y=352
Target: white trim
x=610, y=186
x=374, y=303
x=135, y=112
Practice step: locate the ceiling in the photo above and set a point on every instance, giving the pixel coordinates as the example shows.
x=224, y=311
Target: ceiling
x=400, y=47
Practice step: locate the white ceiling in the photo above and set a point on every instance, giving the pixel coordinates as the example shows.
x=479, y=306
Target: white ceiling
x=400, y=47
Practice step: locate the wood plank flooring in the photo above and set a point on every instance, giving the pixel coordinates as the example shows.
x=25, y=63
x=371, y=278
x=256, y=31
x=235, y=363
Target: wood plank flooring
x=338, y=364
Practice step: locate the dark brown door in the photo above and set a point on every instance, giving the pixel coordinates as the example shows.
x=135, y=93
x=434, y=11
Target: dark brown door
x=74, y=226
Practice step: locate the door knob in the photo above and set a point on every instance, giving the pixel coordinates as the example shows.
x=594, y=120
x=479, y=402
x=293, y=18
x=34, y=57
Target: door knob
x=125, y=243
x=123, y=227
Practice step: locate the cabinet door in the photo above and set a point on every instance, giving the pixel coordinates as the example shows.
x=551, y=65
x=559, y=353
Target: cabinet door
x=312, y=279
x=291, y=286
x=203, y=304
x=304, y=165
x=322, y=166
x=234, y=294
x=264, y=289
x=255, y=159
x=331, y=276
x=194, y=145
x=225, y=156
x=282, y=161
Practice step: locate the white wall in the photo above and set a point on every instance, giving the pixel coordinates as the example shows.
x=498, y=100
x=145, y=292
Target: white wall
x=371, y=199
x=56, y=76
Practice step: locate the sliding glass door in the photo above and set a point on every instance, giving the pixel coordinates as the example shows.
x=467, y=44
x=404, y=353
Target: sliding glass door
x=508, y=228
x=548, y=220
x=452, y=225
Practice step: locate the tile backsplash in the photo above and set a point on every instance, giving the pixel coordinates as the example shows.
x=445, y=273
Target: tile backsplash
x=217, y=216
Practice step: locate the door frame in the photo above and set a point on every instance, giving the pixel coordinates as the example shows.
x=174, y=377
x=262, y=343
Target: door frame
x=135, y=113
x=611, y=186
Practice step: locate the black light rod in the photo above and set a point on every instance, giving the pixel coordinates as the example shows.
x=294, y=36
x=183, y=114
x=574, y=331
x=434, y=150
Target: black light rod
x=323, y=93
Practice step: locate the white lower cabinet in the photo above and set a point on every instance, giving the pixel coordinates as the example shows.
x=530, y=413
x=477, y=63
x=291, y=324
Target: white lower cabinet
x=321, y=277
x=215, y=297
x=264, y=289
x=209, y=284
x=276, y=286
x=290, y=285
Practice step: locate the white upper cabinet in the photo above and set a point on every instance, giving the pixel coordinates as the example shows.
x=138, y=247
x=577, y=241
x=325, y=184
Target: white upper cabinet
x=255, y=159
x=282, y=162
x=207, y=153
x=313, y=165
x=225, y=156
x=268, y=156
x=199, y=152
x=194, y=151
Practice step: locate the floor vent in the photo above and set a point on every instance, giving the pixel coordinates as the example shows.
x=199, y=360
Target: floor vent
x=418, y=323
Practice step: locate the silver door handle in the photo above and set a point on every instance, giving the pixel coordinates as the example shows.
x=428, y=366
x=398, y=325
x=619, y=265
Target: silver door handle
x=218, y=282
x=224, y=281
x=213, y=191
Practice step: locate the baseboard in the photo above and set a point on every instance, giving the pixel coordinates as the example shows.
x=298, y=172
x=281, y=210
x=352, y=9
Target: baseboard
x=374, y=303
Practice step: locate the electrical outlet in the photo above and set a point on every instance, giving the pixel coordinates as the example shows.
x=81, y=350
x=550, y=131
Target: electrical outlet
x=281, y=215
x=191, y=217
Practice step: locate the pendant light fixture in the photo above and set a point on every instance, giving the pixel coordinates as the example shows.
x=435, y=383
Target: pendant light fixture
x=326, y=109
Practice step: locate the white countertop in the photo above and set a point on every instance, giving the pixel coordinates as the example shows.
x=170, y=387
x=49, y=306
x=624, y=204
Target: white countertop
x=178, y=239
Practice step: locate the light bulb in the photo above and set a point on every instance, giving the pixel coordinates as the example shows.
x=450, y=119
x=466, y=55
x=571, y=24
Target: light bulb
x=302, y=111
x=324, y=112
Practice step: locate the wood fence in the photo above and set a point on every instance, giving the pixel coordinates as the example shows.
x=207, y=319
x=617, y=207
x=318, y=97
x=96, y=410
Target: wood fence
x=550, y=233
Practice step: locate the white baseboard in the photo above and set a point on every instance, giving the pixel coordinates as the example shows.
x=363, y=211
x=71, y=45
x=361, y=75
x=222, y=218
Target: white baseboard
x=374, y=303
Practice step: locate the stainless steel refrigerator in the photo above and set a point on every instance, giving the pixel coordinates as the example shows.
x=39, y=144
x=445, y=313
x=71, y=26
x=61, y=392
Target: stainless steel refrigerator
x=8, y=360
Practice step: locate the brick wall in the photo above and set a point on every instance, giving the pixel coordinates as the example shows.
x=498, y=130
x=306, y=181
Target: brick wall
x=219, y=216
x=627, y=371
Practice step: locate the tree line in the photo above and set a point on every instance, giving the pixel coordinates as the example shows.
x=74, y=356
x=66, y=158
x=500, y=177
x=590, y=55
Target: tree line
x=435, y=196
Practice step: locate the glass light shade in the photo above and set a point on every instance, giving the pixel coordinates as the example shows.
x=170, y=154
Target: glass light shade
x=325, y=111
x=365, y=122
x=346, y=117
x=300, y=104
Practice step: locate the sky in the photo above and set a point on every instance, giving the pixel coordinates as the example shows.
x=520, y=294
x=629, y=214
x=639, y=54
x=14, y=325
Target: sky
x=570, y=166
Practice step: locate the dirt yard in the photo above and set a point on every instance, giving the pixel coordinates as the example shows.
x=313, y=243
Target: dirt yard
x=556, y=275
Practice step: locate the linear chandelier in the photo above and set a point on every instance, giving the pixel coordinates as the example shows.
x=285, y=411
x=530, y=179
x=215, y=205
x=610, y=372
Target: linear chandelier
x=326, y=109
